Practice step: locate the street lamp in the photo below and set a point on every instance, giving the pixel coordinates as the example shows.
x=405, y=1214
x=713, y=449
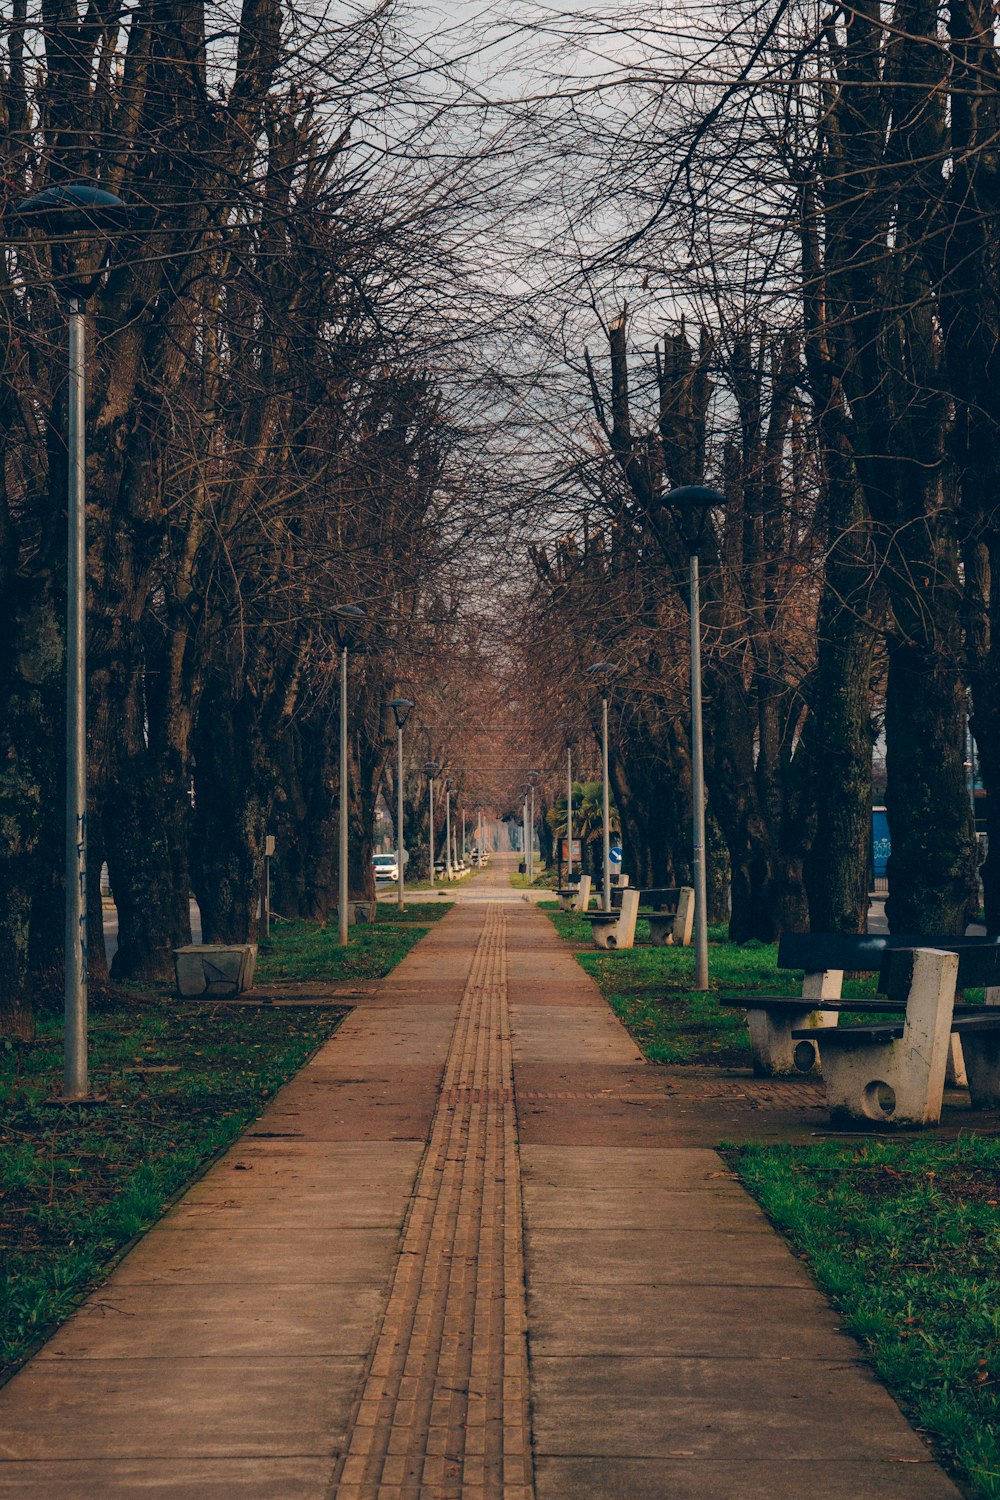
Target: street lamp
x=351, y=613
x=431, y=768
x=401, y=712
x=691, y=505
x=81, y=219
x=602, y=672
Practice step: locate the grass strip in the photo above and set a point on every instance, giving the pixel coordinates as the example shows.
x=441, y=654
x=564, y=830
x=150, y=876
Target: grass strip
x=181, y=1081
x=308, y=951
x=650, y=990
x=904, y=1237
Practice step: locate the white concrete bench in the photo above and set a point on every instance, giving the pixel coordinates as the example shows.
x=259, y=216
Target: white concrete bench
x=673, y=927
x=615, y=929
x=575, y=897
x=824, y=957
x=214, y=969
x=894, y=1072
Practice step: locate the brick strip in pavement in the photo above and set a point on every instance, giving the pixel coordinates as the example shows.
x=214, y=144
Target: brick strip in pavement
x=444, y=1409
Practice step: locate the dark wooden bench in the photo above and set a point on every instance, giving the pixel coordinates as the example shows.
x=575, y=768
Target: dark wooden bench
x=824, y=958
x=893, y=1071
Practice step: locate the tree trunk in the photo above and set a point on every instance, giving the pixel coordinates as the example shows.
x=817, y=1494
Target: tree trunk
x=233, y=795
x=932, y=870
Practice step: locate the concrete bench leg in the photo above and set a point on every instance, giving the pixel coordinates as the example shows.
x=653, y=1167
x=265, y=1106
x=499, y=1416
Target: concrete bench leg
x=661, y=930
x=982, y=1065
x=775, y=1053
x=901, y=1082
x=622, y=935
x=583, y=894
x=955, y=1076
x=684, y=917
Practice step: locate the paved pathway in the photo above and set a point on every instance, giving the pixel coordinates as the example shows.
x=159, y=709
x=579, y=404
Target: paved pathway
x=475, y=1249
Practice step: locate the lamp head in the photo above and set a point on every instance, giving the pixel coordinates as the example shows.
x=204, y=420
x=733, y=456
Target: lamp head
x=80, y=219
x=401, y=710
x=602, y=672
x=691, y=505
x=431, y=768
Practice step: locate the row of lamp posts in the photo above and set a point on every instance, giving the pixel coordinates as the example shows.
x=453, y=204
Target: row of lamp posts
x=78, y=212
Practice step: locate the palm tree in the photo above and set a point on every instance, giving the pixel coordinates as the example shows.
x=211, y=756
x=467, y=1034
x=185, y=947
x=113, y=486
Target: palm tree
x=588, y=820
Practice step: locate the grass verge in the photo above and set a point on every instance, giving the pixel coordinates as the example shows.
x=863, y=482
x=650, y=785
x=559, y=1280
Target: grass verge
x=904, y=1237
x=307, y=951
x=649, y=990
x=181, y=1081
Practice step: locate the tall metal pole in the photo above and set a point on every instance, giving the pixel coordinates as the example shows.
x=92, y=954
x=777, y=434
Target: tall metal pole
x=447, y=834
x=342, y=903
x=698, y=790
x=430, y=836
x=524, y=832
x=399, y=815
x=531, y=837
x=606, y=805
x=75, y=1079
x=463, y=834
x=569, y=813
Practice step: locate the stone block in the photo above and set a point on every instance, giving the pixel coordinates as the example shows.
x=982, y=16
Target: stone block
x=214, y=969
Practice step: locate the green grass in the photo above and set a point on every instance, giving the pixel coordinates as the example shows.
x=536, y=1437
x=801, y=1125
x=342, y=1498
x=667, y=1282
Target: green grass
x=309, y=951
x=649, y=989
x=904, y=1236
x=181, y=1082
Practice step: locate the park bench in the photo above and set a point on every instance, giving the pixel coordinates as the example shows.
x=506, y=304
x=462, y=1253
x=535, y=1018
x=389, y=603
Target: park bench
x=824, y=957
x=575, y=897
x=669, y=911
x=615, y=929
x=893, y=1071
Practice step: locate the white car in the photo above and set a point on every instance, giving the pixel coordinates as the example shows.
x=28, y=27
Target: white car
x=386, y=866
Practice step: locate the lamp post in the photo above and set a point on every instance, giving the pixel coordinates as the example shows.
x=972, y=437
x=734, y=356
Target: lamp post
x=348, y=612
x=532, y=783
x=602, y=672
x=81, y=218
x=431, y=768
x=569, y=812
x=401, y=712
x=448, y=874
x=691, y=504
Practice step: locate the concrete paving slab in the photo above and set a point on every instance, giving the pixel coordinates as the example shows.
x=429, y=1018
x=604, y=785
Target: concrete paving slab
x=203, y=1255
x=748, y=1322
x=788, y=1479
x=547, y=1207
x=126, y=1321
x=717, y=1408
x=561, y=1033
x=184, y=1479
x=589, y=1168
x=682, y=1257
x=184, y=1408
x=350, y=1207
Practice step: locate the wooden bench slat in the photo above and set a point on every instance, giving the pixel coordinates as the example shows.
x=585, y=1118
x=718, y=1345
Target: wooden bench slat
x=845, y=1035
